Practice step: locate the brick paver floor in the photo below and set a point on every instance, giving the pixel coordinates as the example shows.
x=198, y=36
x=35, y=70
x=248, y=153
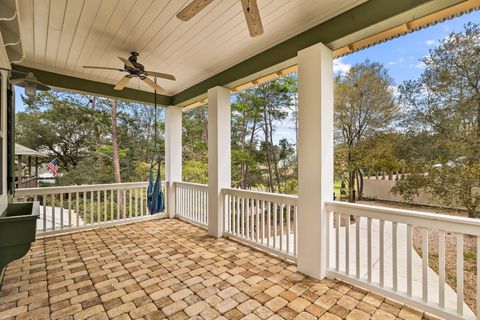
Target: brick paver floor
x=171, y=269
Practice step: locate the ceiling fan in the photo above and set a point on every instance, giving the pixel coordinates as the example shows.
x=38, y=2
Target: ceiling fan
x=250, y=9
x=135, y=70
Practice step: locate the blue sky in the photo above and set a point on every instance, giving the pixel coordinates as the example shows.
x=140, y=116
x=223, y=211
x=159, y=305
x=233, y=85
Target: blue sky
x=401, y=56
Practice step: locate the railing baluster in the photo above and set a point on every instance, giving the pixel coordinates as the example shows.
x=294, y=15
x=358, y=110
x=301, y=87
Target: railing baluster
x=112, y=211
x=347, y=244
x=288, y=228
x=281, y=226
x=92, y=210
x=238, y=216
x=232, y=212
x=105, y=203
x=118, y=205
x=337, y=241
x=141, y=202
x=295, y=219
x=382, y=253
x=369, y=249
x=53, y=210
x=274, y=225
x=357, y=246
x=252, y=219
x=395, y=255
x=61, y=210
x=99, y=213
x=130, y=203
x=247, y=205
x=409, y=260
x=425, y=264
x=441, y=269
x=257, y=216
x=269, y=222
x=77, y=208
x=460, y=274
x=124, y=198
x=44, y=197
x=69, y=210
x=263, y=222
x=85, y=218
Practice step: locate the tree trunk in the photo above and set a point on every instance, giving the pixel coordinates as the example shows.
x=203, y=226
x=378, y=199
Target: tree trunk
x=267, y=149
x=274, y=156
x=351, y=177
x=360, y=184
x=116, y=159
x=98, y=140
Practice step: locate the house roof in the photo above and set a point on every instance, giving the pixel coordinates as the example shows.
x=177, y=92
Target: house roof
x=24, y=151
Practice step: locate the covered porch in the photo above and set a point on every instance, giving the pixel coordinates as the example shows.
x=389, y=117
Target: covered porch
x=167, y=268
x=217, y=251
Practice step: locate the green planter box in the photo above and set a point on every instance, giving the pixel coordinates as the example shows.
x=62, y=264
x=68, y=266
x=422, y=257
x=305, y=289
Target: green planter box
x=18, y=225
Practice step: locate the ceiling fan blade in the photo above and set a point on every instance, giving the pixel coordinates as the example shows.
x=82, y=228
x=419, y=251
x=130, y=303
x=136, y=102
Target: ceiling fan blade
x=252, y=15
x=121, y=84
x=127, y=62
x=160, y=75
x=152, y=84
x=192, y=9
x=103, y=68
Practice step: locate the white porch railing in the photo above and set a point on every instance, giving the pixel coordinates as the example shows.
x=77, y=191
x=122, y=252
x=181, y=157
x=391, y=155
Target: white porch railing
x=262, y=219
x=192, y=202
x=86, y=206
x=373, y=248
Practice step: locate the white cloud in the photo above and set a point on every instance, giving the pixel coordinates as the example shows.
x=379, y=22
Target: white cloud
x=420, y=65
x=340, y=67
x=430, y=42
x=400, y=60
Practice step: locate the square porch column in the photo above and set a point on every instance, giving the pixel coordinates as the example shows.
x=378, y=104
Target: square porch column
x=173, y=154
x=315, y=157
x=219, y=156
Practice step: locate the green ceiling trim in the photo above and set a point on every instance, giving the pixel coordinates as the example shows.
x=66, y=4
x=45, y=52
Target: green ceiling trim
x=358, y=18
x=93, y=87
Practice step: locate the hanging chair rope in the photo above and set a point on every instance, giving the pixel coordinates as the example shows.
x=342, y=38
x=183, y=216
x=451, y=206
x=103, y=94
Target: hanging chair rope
x=155, y=197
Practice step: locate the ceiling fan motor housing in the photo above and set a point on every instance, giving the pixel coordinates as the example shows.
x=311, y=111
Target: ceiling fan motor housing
x=139, y=68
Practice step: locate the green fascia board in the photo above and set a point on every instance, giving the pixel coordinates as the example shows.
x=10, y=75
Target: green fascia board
x=353, y=20
x=75, y=84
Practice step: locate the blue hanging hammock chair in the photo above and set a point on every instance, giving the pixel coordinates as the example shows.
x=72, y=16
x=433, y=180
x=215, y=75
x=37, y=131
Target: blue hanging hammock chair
x=155, y=196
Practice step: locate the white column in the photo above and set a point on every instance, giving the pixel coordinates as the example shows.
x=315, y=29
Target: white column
x=219, y=156
x=173, y=154
x=3, y=128
x=315, y=157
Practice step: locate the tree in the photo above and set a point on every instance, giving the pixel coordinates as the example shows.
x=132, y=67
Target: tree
x=257, y=111
x=77, y=130
x=444, y=104
x=58, y=124
x=364, y=105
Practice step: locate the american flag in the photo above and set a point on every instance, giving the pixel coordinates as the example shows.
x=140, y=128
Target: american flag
x=53, y=165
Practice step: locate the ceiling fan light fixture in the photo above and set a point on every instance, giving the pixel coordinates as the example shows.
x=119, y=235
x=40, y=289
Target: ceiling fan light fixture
x=30, y=89
x=31, y=85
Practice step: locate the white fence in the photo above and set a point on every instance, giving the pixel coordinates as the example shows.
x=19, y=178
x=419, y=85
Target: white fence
x=85, y=206
x=372, y=247
x=262, y=219
x=191, y=202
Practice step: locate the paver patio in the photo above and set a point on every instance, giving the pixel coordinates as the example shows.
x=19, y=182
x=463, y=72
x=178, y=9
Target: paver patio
x=171, y=269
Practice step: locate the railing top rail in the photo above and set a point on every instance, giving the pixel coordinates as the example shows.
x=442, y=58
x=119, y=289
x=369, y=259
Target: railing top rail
x=191, y=185
x=415, y=218
x=261, y=195
x=79, y=188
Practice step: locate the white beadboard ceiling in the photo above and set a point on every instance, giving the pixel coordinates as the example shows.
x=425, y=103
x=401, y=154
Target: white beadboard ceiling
x=63, y=35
